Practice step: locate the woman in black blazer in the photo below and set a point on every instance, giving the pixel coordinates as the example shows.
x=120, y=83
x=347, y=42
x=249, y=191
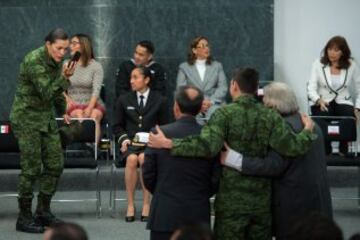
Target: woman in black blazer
x=137, y=111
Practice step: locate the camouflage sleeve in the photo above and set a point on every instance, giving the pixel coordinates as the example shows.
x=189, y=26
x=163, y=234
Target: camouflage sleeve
x=60, y=105
x=286, y=142
x=208, y=143
x=47, y=87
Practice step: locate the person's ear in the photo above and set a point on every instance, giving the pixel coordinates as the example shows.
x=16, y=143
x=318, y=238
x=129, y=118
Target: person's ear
x=176, y=110
x=236, y=86
x=194, y=51
x=48, y=44
x=176, y=107
x=147, y=81
x=149, y=57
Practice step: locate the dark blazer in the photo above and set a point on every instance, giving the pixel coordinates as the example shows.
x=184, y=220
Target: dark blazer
x=181, y=186
x=300, y=185
x=128, y=119
x=122, y=83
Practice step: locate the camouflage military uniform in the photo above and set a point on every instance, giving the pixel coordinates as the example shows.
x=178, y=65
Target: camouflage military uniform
x=242, y=204
x=38, y=97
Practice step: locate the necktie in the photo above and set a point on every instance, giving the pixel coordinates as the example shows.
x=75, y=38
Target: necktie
x=141, y=106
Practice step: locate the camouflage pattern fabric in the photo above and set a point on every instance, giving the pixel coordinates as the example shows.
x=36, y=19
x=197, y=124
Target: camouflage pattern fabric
x=249, y=128
x=41, y=159
x=38, y=97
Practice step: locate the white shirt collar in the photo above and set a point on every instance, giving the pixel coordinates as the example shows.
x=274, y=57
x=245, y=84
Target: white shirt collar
x=145, y=94
x=200, y=61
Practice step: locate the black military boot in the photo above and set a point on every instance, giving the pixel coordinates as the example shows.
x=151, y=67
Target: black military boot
x=25, y=221
x=43, y=214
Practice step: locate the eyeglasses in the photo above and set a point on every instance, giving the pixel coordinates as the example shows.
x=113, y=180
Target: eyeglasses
x=203, y=46
x=74, y=43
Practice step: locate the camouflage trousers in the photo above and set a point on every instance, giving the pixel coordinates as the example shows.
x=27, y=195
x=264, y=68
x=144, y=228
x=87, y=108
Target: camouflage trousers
x=41, y=160
x=242, y=226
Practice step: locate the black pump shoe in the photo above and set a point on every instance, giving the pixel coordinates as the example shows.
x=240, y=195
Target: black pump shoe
x=129, y=218
x=144, y=218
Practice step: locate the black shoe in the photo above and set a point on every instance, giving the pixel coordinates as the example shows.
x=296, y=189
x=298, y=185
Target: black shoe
x=28, y=226
x=46, y=219
x=129, y=218
x=144, y=218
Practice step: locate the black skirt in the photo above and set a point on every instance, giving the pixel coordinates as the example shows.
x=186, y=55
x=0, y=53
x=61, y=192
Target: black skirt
x=133, y=149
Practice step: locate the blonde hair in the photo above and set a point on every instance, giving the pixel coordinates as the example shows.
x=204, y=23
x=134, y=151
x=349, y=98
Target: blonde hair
x=280, y=97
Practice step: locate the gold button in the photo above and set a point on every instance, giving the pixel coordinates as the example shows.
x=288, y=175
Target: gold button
x=140, y=125
x=140, y=117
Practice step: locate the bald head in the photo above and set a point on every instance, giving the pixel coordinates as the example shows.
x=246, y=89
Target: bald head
x=189, y=100
x=192, y=93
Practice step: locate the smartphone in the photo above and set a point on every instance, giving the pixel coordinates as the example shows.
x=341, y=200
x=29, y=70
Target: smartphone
x=75, y=58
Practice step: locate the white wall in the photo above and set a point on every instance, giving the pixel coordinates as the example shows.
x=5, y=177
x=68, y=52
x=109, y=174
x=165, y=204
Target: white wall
x=301, y=30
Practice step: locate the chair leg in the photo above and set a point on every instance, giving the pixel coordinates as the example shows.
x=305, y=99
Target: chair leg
x=359, y=187
x=113, y=189
x=98, y=194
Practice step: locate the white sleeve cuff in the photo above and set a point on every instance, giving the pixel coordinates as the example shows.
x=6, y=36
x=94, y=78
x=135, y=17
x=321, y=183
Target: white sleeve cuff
x=234, y=160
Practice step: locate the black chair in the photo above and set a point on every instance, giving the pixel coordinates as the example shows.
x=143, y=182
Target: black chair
x=79, y=155
x=8, y=146
x=10, y=159
x=105, y=144
x=9, y=150
x=117, y=164
x=340, y=128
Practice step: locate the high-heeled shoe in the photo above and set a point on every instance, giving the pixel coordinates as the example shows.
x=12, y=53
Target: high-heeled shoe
x=130, y=218
x=144, y=218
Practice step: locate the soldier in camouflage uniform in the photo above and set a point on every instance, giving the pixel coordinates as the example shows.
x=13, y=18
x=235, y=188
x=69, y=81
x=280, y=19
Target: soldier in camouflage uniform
x=42, y=81
x=242, y=206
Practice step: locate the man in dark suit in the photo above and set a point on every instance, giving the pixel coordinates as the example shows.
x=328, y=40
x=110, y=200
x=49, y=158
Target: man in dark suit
x=181, y=187
x=137, y=111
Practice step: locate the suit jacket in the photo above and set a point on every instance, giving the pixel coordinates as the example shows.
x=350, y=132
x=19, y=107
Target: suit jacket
x=320, y=85
x=128, y=119
x=181, y=186
x=122, y=83
x=300, y=184
x=214, y=85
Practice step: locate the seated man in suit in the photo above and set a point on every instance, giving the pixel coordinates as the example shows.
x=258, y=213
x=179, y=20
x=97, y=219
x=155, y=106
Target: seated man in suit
x=137, y=111
x=181, y=188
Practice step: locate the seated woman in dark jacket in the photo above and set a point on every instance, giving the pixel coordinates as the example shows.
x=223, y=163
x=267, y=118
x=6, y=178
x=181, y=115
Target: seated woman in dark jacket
x=137, y=111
